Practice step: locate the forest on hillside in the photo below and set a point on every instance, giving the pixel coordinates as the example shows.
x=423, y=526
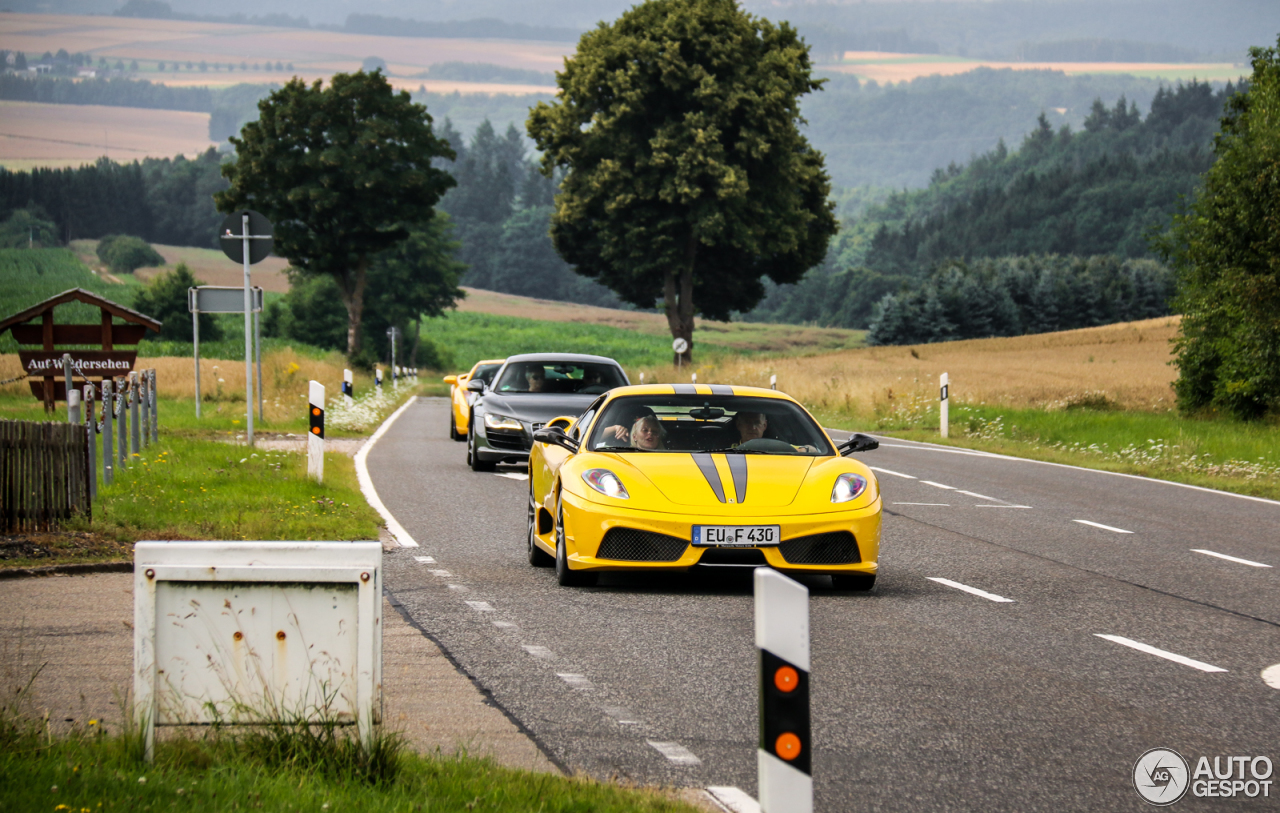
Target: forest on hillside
x=1063, y=194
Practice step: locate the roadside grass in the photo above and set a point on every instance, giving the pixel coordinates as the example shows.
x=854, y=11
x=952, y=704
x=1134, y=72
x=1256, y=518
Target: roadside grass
x=185, y=488
x=1243, y=458
x=103, y=772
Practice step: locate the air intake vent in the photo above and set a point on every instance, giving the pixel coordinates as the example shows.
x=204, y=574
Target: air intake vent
x=740, y=557
x=630, y=545
x=835, y=548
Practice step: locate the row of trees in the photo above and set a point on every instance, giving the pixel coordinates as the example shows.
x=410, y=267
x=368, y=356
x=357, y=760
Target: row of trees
x=1010, y=296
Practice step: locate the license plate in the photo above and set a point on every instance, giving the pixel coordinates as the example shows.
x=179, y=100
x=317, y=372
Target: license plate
x=736, y=536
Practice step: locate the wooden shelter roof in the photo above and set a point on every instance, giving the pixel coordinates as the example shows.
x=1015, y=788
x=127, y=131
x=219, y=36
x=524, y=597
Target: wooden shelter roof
x=88, y=297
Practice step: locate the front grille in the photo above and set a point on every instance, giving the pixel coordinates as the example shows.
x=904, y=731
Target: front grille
x=515, y=443
x=733, y=556
x=631, y=545
x=835, y=548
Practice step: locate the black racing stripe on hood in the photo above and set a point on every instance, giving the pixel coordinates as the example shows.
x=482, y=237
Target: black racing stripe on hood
x=685, y=389
x=738, y=468
x=721, y=389
x=708, y=468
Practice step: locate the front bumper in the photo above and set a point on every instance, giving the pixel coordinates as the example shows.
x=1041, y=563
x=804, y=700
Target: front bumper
x=587, y=523
x=502, y=447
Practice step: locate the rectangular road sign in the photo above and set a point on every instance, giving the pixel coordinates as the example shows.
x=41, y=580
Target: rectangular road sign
x=218, y=299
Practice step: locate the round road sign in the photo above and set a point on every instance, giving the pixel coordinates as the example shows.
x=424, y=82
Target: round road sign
x=680, y=345
x=231, y=236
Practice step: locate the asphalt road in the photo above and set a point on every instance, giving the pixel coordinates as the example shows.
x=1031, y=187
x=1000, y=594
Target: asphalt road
x=925, y=695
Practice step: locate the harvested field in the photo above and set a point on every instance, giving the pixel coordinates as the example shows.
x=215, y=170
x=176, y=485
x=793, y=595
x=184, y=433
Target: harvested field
x=209, y=265
x=1127, y=363
x=314, y=54
x=888, y=67
x=743, y=336
x=59, y=135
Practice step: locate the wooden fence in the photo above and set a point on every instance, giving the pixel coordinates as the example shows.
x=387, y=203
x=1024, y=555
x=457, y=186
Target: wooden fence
x=44, y=474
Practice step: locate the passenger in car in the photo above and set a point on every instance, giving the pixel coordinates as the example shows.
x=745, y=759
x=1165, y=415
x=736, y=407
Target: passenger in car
x=640, y=428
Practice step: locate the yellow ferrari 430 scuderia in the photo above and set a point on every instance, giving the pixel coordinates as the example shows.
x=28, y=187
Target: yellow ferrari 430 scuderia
x=673, y=476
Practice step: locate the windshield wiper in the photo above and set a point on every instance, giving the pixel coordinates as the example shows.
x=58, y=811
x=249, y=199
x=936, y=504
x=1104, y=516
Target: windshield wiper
x=740, y=450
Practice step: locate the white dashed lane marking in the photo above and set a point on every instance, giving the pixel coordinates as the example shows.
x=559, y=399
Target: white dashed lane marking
x=481, y=606
x=576, y=681
x=972, y=590
x=734, y=800
x=539, y=652
x=675, y=753
x=426, y=560
x=511, y=475
x=938, y=485
x=937, y=504
x=1002, y=506
x=1103, y=527
x=977, y=496
x=444, y=574
x=622, y=715
x=1271, y=676
x=1160, y=653
x=1229, y=558
x=461, y=588
x=894, y=473
x=505, y=625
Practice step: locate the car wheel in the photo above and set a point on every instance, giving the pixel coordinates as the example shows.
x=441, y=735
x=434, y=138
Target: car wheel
x=454, y=434
x=861, y=582
x=537, y=556
x=473, y=457
x=567, y=577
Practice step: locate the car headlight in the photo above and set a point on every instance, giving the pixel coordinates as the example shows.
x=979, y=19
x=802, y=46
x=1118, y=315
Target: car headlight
x=606, y=482
x=848, y=487
x=493, y=421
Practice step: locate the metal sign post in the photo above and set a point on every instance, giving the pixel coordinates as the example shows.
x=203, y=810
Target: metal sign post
x=393, y=332
x=679, y=346
x=251, y=245
x=220, y=299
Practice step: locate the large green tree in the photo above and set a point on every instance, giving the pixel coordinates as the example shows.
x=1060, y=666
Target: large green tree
x=1226, y=252
x=687, y=177
x=343, y=172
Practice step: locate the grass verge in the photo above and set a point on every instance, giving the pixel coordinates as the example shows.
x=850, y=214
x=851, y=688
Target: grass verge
x=1243, y=458
x=268, y=771
x=190, y=488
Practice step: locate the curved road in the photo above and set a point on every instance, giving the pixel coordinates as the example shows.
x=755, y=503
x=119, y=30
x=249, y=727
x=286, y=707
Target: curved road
x=929, y=693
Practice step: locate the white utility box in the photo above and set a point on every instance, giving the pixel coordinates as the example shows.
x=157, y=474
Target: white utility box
x=252, y=632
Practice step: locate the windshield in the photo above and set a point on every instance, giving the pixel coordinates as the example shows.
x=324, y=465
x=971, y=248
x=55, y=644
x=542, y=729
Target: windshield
x=707, y=423
x=585, y=378
x=485, y=372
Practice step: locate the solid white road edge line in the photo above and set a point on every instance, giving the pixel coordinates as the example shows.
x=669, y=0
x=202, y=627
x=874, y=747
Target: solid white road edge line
x=675, y=753
x=1229, y=558
x=1160, y=653
x=733, y=800
x=933, y=447
x=975, y=591
x=1103, y=527
x=887, y=471
x=366, y=483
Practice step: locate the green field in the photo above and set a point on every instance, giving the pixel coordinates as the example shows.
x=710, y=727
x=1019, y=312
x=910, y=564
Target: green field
x=31, y=276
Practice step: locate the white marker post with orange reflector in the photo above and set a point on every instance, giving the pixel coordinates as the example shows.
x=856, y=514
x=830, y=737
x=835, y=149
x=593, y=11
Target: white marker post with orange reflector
x=782, y=636
x=315, y=433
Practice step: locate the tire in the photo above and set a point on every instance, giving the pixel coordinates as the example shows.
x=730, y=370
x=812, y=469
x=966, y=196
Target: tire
x=537, y=556
x=567, y=577
x=473, y=459
x=454, y=434
x=859, y=582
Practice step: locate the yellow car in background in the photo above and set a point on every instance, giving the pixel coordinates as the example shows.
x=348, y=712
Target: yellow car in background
x=460, y=398
x=671, y=477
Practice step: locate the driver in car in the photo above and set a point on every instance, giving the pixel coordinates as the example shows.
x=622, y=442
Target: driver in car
x=535, y=377
x=752, y=426
x=641, y=430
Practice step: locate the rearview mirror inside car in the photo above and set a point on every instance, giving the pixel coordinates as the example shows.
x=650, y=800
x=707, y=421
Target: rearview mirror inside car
x=859, y=443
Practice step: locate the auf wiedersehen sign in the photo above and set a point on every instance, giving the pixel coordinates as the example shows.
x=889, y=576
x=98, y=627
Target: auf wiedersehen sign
x=105, y=363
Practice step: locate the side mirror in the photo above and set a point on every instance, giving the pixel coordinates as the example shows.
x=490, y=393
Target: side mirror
x=556, y=436
x=475, y=385
x=451, y=379
x=858, y=443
